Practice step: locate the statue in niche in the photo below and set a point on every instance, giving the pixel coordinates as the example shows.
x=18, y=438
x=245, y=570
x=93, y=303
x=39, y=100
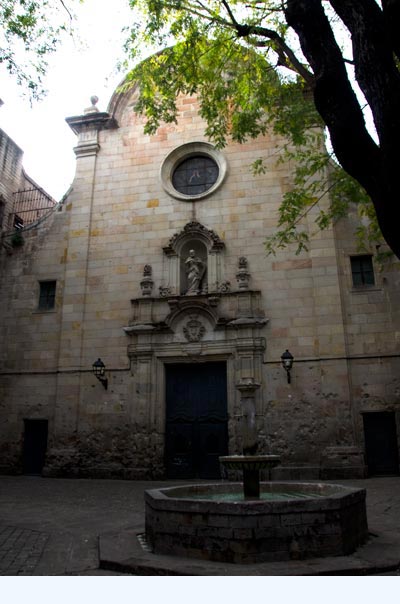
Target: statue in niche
x=195, y=269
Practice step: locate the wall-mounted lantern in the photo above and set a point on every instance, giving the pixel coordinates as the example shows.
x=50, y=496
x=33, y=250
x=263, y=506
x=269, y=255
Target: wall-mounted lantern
x=99, y=370
x=287, y=363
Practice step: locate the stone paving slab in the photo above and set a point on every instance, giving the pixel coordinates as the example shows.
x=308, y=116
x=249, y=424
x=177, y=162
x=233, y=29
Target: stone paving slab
x=20, y=550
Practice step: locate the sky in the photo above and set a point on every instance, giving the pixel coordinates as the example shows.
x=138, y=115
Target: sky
x=77, y=70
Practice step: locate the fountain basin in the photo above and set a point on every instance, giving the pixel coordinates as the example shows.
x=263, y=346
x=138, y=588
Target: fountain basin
x=250, y=465
x=313, y=520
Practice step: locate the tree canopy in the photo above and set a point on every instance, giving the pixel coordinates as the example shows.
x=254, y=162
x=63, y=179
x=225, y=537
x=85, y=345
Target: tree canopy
x=286, y=65
x=30, y=31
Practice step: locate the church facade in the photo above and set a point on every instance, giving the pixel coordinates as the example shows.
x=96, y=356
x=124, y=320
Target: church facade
x=140, y=310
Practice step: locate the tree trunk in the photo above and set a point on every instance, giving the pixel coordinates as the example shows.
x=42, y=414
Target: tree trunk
x=374, y=167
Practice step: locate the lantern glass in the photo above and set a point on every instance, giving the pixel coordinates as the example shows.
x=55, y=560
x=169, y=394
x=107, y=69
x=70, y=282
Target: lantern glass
x=99, y=368
x=287, y=359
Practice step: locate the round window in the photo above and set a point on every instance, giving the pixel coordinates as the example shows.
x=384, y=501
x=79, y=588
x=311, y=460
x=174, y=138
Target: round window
x=193, y=171
x=195, y=175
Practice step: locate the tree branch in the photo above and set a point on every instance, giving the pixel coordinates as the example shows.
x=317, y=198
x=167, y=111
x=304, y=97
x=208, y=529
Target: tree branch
x=287, y=56
x=333, y=94
x=230, y=13
x=65, y=7
x=372, y=166
x=375, y=69
x=391, y=15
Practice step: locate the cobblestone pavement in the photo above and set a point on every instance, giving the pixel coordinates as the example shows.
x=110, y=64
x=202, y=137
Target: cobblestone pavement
x=68, y=515
x=20, y=550
x=51, y=526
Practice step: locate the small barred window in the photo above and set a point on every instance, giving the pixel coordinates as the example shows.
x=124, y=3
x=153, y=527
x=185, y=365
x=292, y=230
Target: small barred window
x=47, y=295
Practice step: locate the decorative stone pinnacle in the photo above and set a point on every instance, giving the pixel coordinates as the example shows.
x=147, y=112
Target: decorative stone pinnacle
x=147, y=282
x=92, y=109
x=147, y=270
x=243, y=276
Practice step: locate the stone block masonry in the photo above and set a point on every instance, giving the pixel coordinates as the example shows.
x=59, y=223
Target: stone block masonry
x=206, y=522
x=119, y=216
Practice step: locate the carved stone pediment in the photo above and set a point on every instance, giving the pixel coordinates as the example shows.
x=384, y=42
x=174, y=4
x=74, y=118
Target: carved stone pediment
x=201, y=304
x=193, y=230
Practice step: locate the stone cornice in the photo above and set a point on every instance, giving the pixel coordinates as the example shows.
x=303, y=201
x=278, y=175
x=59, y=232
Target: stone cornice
x=244, y=314
x=91, y=121
x=84, y=150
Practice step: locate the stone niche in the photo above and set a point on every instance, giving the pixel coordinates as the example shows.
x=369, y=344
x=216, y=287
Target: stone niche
x=207, y=247
x=179, y=325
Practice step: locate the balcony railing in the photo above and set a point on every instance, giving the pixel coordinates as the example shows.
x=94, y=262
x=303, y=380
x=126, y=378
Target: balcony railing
x=29, y=205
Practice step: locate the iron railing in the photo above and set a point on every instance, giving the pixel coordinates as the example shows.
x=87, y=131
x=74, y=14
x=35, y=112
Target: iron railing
x=29, y=205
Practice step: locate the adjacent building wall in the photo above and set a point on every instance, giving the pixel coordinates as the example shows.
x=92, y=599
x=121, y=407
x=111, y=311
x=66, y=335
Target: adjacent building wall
x=11, y=176
x=22, y=200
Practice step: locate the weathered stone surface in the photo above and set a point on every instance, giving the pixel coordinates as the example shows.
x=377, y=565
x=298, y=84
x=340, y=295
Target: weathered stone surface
x=118, y=218
x=331, y=522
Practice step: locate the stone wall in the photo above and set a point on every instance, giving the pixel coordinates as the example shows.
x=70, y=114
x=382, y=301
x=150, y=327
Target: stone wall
x=118, y=218
x=216, y=523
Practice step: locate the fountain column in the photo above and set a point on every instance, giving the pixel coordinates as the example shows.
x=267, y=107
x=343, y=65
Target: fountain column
x=249, y=462
x=251, y=474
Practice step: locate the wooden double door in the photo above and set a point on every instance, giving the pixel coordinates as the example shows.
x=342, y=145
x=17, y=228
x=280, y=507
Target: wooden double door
x=196, y=419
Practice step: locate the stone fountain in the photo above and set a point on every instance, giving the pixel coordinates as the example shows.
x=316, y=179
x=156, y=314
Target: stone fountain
x=255, y=522
x=249, y=462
